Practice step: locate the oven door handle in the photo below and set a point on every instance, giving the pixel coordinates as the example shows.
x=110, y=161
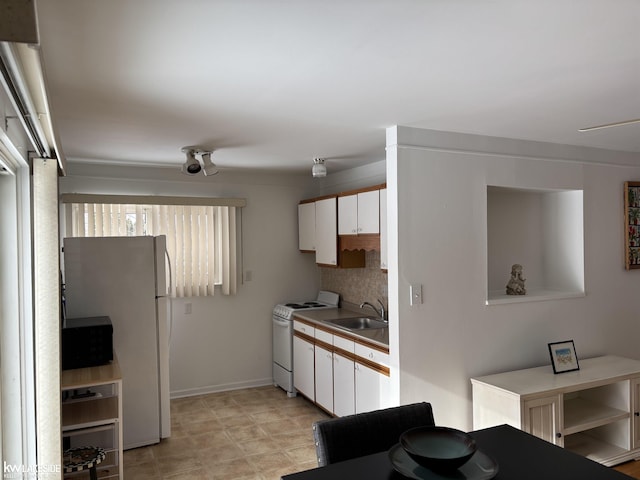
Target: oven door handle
x=281, y=322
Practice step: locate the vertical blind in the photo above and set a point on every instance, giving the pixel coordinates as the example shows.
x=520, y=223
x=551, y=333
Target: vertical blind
x=46, y=293
x=201, y=239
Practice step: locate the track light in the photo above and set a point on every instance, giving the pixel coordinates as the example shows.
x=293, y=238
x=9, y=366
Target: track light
x=209, y=167
x=191, y=166
x=318, y=169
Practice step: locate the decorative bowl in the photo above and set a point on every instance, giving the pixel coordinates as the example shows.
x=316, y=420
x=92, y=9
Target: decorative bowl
x=438, y=448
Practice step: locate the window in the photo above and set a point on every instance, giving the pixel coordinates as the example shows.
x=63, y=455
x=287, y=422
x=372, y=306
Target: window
x=201, y=239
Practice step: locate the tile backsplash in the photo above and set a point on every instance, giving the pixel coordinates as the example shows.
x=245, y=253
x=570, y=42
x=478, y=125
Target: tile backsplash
x=357, y=285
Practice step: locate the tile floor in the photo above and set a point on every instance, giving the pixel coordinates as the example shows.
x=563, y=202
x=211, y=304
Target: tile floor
x=250, y=434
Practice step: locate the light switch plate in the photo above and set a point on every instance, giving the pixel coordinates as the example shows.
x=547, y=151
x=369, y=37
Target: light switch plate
x=415, y=294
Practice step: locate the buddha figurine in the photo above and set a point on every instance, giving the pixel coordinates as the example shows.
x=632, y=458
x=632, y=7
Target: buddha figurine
x=516, y=282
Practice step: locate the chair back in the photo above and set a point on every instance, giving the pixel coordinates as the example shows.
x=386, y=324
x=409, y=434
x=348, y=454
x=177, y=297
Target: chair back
x=339, y=439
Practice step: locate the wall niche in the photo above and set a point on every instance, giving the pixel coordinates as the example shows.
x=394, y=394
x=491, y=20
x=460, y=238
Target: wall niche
x=542, y=230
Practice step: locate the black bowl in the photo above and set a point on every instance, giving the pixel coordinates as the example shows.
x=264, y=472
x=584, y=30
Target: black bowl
x=438, y=448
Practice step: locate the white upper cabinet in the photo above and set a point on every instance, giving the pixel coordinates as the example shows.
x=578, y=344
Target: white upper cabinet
x=348, y=215
x=359, y=213
x=326, y=238
x=307, y=226
x=383, y=229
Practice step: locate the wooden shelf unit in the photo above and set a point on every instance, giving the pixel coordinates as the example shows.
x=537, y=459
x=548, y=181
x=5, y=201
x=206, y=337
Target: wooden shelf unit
x=94, y=420
x=594, y=411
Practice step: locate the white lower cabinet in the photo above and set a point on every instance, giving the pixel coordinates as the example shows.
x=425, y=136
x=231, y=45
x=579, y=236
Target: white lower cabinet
x=303, y=371
x=594, y=412
x=542, y=419
x=339, y=374
x=335, y=382
x=372, y=387
x=324, y=378
x=344, y=401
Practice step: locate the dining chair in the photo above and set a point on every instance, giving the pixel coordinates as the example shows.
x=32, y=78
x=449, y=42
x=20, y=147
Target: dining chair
x=342, y=438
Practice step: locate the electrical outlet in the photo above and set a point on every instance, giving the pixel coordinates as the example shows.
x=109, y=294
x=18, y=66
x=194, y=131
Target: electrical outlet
x=415, y=294
x=187, y=308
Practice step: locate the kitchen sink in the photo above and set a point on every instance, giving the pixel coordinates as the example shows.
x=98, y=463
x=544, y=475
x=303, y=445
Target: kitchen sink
x=358, y=323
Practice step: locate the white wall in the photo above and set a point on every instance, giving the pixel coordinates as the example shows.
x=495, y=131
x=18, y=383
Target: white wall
x=438, y=238
x=225, y=342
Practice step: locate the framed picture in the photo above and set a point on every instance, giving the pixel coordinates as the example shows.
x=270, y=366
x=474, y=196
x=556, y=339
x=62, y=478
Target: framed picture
x=632, y=225
x=563, y=356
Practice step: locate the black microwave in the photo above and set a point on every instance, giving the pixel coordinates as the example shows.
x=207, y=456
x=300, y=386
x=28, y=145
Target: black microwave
x=86, y=342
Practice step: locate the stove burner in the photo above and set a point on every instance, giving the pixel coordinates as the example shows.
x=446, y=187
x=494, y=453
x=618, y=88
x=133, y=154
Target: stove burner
x=313, y=304
x=297, y=305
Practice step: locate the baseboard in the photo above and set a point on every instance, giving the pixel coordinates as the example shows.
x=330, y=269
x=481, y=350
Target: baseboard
x=192, y=392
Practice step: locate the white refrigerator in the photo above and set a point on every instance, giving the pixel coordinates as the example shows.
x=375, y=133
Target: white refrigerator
x=126, y=279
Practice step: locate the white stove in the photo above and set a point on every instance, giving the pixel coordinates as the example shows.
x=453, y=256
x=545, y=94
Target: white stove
x=325, y=300
x=283, y=336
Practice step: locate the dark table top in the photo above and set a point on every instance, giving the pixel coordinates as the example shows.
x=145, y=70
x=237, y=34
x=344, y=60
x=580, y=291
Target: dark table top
x=519, y=455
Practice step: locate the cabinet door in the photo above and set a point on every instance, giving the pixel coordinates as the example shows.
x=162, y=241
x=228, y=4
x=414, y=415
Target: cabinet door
x=324, y=378
x=326, y=232
x=372, y=389
x=307, y=226
x=383, y=229
x=343, y=386
x=635, y=401
x=369, y=212
x=542, y=417
x=303, y=367
x=348, y=215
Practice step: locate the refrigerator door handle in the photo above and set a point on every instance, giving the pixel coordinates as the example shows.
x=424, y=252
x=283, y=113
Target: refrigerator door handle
x=169, y=292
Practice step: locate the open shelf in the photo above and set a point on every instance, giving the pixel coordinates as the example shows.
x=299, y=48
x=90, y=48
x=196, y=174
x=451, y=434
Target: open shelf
x=89, y=414
x=581, y=415
x=594, y=448
x=543, y=231
x=500, y=298
x=108, y=468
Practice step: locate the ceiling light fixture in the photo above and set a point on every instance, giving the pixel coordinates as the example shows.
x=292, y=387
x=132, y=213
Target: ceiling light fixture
x=191, y=166
x=318, y=169
x=209, y=167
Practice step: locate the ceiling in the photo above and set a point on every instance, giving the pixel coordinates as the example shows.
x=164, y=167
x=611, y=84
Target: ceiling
x=273, y=84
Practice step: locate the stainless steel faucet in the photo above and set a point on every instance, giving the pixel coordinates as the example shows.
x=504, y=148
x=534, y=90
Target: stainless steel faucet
x=382, y=313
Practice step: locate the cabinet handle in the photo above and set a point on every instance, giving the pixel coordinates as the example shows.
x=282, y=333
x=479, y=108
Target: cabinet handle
x=558, y=435
x=637, y=414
